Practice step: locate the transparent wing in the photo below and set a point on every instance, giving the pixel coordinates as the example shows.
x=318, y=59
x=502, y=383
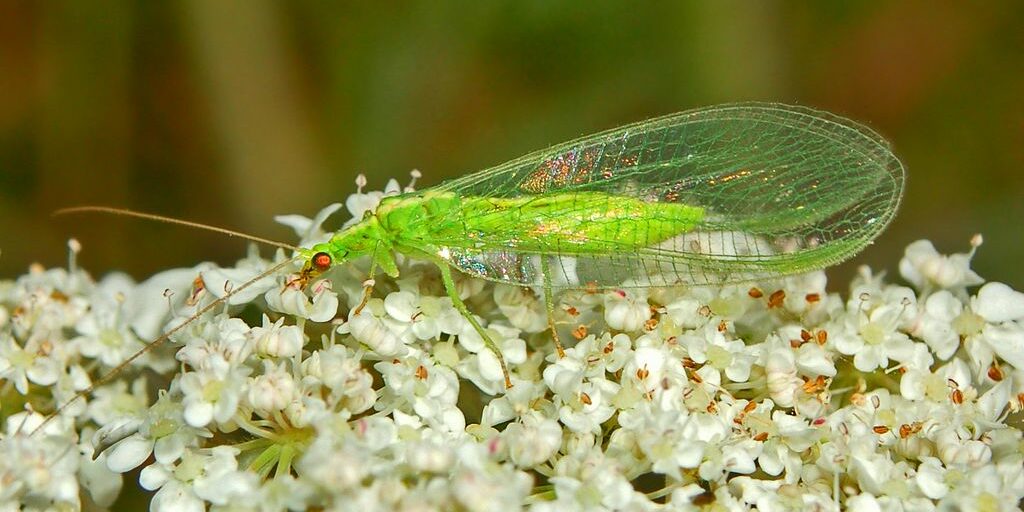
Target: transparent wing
x=784, y=190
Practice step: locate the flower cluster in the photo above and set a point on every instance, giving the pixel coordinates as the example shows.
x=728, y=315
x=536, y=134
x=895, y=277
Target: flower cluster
x=774, y=396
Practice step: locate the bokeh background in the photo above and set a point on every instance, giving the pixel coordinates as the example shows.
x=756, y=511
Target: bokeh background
x=231, y=111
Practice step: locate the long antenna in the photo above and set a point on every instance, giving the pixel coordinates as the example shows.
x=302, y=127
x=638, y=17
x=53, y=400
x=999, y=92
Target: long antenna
x=171, y=220
x=107, y=377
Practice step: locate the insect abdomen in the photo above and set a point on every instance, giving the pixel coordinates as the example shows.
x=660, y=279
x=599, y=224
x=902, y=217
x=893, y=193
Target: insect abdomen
x=577, y=223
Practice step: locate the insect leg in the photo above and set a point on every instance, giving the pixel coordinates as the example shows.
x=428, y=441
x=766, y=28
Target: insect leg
x=550, y=303
x=453, y=293
x=367, y=289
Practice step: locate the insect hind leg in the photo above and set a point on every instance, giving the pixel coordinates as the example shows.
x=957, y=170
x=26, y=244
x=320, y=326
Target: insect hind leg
x=453, y=293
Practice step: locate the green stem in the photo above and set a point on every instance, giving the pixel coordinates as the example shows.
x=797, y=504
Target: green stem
x=262, y=464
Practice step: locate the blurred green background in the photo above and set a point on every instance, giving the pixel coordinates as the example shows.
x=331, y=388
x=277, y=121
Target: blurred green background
x=229, y=112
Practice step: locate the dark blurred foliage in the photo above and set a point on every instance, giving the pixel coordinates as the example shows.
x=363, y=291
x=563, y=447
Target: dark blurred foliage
x=229, y=112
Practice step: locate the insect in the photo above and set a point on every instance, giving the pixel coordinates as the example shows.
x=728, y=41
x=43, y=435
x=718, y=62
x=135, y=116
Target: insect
x=717, y=195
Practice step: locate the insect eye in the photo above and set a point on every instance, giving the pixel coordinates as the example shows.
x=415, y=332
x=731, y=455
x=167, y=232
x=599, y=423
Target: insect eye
x=321, y=261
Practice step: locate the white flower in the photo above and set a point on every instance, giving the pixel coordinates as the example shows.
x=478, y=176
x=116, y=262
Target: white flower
x=285, y=492
x=276, y=339
x=936, y=324
x=806, y=295
x=921, y=384
x=654, y=369
x=591, y=481
x=369, y=328
x=432, y=390
x=102, y=484
x=321, y=307
x=104, y=333
x=217, y=344
x=874, y=471
x=342, y=455
x=484, y=370
x=669, y=439
x=923, y=266
x=783, y=381
x=730, y=356
x=23, y=365
x=588, y=406
x=523, y=398
x=481, y=485
x=1003, y=308
x=38, y=471
x=932, y=479
x=997, y=303
x=988, y=487
x=429, y=456
x=998, y=333
x=522, y=307
x=566, y=374
x=626, y=310
x=351, y=386
x=956, y=447
x=691, y=310
x=872, y=338
x=736, y=457
x=533, y=440
x=163, y=433
x=427, y=316
x=198, y=478
x=222, y=482
x=812, y=359
x=775, y=396
x=787, y=438
x=273, y=390
x=863, y=502
x=211, y=395
x=114, y=402
x=337, y=469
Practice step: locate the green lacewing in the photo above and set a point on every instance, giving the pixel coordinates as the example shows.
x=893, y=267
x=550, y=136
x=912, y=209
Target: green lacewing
x=717, y=195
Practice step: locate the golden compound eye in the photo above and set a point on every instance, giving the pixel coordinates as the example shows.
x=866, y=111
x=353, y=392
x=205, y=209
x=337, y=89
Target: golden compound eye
x=321, y=261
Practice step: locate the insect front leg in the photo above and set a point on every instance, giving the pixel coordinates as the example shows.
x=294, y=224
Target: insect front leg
x=453, y=293
x=550, y=303
x=367, y=289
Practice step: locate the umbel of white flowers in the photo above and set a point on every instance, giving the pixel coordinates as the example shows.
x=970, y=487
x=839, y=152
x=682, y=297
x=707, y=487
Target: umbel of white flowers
x=777, y=396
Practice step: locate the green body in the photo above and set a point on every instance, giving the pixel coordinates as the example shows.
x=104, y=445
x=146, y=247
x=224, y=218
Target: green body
x=443, y=225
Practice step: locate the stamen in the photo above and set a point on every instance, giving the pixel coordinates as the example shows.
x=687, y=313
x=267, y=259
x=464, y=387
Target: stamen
x=864, y=298
x=74, y=247
x=976, y=242
x=169, y=294
x=416, y=174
